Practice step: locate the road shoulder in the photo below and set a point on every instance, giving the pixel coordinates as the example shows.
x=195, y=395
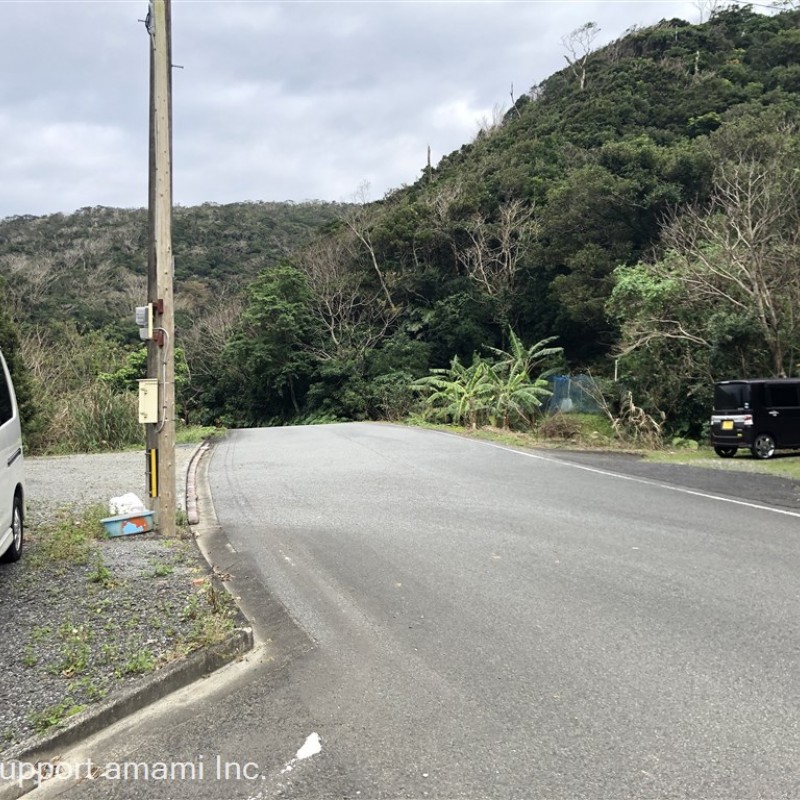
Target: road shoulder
x=74, y=652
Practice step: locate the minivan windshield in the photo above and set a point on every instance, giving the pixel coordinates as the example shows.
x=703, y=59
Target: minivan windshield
x=729, y=396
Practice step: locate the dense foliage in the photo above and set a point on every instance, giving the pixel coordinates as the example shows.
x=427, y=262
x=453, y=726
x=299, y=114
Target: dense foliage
x=640, y=206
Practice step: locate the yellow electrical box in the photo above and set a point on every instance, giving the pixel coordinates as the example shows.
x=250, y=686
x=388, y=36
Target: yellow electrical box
x=148, y=401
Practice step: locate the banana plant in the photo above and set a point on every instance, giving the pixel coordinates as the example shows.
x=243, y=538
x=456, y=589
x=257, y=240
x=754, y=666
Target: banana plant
x=516, y=398
x=505, y=392
x=459, y=394
x=519, y=393
x=519, y=358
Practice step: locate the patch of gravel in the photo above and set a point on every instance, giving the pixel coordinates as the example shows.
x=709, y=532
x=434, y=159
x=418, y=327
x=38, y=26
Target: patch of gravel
x=77, y=631
x=53, y=482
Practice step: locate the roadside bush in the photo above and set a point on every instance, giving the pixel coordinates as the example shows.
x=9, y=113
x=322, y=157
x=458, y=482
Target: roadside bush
x=560, y=426
x=391, y=396
x=635, y=426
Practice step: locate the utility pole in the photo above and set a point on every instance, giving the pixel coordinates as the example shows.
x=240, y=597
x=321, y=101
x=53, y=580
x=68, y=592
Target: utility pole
x=161, y=348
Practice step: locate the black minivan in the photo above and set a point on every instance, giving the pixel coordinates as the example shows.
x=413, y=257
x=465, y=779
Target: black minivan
x=762, y=415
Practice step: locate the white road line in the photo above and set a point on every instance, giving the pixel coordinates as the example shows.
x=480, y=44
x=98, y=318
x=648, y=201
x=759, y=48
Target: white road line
x=645, y=481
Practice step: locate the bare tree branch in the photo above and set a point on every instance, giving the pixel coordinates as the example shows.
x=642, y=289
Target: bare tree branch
x=358, y=218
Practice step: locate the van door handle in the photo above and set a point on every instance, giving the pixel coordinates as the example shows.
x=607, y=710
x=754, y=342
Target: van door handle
x=774, y=413
x=14, y=457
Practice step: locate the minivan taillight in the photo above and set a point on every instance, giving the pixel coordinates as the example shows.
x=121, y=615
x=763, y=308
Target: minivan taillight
x=748, y=420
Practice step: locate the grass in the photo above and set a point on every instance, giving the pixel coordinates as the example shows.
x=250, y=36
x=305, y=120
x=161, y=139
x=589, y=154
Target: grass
x=184, y=434
x=85, y=685
x=69, y=538
x=194, y=434
x=55, y=714
x=211, y=613
x=30, y=658
x=101, y=574
x=782, y=464
x=76, y=649
x=573, y=431
x=139, y=664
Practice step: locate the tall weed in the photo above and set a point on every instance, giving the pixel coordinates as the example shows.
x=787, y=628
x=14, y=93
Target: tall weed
x=93, y=420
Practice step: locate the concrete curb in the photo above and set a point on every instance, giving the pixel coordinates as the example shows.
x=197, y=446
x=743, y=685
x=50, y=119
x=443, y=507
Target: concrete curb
x=155, y=687
x=167, y=680
x=192, y=513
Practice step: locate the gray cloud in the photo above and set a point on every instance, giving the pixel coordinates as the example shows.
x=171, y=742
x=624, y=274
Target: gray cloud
x=276, y=101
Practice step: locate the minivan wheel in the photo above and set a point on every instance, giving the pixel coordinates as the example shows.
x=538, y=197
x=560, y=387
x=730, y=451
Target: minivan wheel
x=15, y=550
x=763, y=446
x=726, y=452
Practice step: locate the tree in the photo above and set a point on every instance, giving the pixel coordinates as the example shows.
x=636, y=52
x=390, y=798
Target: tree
x=495, y=251
x=205, y=339
x=354, y=315
x=460, y=394
x=23, y=388
x=722, y=299
x=267, y=361
x=360, y=219
x=520, y=388
x=738, y=253
x=706, y=8
x=521, y=359
x=578, y=45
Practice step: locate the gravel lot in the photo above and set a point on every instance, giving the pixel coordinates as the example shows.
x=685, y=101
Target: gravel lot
x=76, y=632
x=57, y=481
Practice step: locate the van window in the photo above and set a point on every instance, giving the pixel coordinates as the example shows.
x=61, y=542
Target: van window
x=730, y=396
x=6, y=409
x=782, y=394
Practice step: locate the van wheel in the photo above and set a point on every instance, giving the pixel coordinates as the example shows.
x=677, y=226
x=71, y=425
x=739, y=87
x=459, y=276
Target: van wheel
x=726, y=452
x=763, y=446
x=15, y=551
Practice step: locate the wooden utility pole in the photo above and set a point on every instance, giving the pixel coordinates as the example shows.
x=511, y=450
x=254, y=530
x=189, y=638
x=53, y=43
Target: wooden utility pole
x=161, y=348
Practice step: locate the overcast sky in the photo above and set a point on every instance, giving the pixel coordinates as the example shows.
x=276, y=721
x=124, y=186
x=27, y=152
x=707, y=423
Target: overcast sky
x=276, y=100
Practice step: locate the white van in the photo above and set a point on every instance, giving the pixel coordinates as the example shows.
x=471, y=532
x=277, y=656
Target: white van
x=12, y=483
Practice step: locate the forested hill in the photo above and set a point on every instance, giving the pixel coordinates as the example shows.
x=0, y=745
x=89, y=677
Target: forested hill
x=641, y=205
x=90, y=267
x=600, y=167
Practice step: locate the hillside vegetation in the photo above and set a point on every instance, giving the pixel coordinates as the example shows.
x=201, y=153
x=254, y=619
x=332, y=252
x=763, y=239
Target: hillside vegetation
x=640, y=206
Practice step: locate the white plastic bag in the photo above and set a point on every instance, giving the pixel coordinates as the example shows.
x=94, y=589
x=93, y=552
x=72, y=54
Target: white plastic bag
x=125, y=504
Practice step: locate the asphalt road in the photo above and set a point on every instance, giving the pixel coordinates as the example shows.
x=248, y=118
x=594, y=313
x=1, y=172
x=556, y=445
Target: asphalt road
x=460, y=620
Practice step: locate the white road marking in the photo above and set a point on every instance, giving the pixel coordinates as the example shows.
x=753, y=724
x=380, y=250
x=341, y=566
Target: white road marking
x=311, y=747
x=645, y=481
